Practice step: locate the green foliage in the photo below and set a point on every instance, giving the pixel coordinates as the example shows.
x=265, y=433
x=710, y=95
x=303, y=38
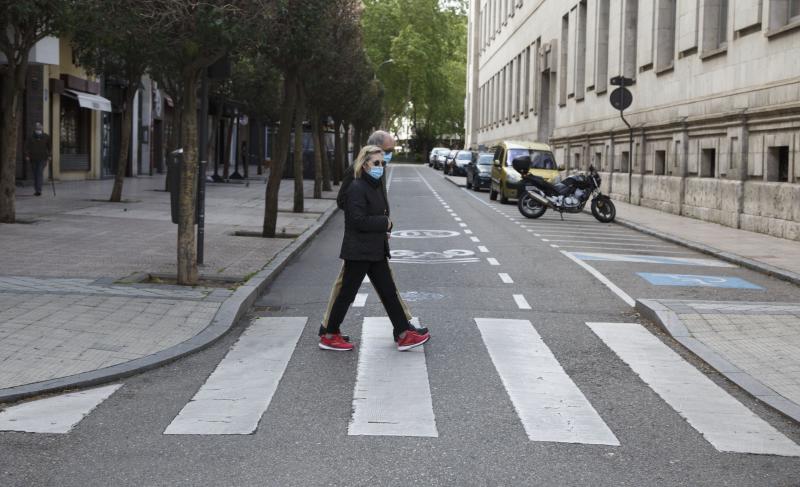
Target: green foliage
x=26, y=22
x=111, y=38
x=426, y=81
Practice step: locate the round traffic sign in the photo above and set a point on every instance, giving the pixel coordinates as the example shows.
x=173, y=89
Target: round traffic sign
x=621, y=98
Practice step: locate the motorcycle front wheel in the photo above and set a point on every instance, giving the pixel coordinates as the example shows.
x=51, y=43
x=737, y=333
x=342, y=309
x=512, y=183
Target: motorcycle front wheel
x=529, y=207
x=604, y=210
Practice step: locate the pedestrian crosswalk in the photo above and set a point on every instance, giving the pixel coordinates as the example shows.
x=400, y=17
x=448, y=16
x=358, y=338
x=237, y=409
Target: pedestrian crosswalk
x=548, y=403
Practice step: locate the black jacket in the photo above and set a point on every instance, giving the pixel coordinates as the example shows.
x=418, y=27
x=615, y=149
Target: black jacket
x=366, y=222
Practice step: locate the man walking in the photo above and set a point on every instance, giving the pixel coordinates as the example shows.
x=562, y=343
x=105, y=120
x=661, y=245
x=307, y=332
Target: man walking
x=37, y=153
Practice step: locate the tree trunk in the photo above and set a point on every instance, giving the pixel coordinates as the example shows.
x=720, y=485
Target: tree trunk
x=318, y=173
x=326, y=164
x=281, y=153
x=12, y=87
x=346, y=144
x=298, y=149
x=226, y=168
x=124, y=145
x=187, y=249
x=337, y=153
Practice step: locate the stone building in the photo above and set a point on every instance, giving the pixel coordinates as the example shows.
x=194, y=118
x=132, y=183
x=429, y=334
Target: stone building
x=716, y=99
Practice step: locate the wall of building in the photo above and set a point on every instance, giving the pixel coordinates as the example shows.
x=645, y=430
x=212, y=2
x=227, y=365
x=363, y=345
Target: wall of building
x=716, y=99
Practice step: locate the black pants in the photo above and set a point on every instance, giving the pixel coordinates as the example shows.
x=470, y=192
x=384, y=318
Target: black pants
x=381, y=277
x=38, y=175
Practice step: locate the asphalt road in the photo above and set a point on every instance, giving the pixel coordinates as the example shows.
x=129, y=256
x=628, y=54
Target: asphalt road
x=476, y=382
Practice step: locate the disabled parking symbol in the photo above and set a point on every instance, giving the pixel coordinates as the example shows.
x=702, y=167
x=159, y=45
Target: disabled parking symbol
x=690, y=280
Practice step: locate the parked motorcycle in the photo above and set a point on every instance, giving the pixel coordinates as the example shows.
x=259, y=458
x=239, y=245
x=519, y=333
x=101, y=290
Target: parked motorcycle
x=567, y=196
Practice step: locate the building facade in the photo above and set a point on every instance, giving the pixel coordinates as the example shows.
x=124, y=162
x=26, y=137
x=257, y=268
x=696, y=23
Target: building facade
x=715, y=117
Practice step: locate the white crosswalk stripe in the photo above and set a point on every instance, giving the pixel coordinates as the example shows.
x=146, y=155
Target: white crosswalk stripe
x=57, y=414
x=549, y=404
x=244, y=381
x=382, y=397
x=727, y=424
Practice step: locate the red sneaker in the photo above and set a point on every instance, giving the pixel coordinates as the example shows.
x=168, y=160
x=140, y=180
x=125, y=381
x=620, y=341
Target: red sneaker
x=411, y=340
x=335, y=342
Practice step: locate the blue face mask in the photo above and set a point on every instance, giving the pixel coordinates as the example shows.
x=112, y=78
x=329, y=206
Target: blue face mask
x=376, y=172
x=387, y=156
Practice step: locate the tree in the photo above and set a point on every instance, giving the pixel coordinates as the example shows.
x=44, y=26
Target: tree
x=426, y=83
x=109, y=38
x=295, y=24
x=25, y=22
x=189, y=36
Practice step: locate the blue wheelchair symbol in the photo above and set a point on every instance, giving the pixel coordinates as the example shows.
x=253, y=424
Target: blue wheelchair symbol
x=690, y=280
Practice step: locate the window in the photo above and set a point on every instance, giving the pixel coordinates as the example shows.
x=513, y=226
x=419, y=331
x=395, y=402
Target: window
x=783, y=13
x=518, y=86
x=631, y=23
x=597, y=162
x=660, y=162
x=503, y=95
x=580, y=52
x=603, y=15
x=536, y=74
x=715, y=25
x=708, y=163
x=778, y=163
x=665, y=36
x=511, y=7
x=539, y=159
x=527, y=91
x=562, y=68
x=624, y=161
x=510, y=107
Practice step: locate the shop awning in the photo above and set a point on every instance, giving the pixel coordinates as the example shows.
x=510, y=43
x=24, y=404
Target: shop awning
x=92, y=102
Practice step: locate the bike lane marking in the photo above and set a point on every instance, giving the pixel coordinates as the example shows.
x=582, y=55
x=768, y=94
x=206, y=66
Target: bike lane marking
x=722, y=420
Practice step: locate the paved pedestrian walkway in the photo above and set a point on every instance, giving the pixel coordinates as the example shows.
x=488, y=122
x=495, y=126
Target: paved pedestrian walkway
x=754, y=344
x=76, y=293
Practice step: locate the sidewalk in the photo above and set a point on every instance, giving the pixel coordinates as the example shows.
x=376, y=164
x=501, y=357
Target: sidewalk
x=755, y=344
x=76, y=304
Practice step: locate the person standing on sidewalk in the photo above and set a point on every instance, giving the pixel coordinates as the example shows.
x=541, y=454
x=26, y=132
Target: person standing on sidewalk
x=365, y=251
x=37, y=153
x=385, y=141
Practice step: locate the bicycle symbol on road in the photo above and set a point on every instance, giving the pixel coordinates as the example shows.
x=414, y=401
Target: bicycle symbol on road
x=424, y=234
x=453, y=256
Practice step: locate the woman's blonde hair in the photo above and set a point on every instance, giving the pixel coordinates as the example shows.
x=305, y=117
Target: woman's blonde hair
x=362, y=157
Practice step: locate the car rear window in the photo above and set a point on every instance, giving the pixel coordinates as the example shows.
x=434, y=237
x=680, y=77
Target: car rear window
x=485, y=159
x=539, y=159
x=464, y=156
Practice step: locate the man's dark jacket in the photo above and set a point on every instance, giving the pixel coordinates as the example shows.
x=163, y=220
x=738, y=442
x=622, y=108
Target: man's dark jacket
x=366, y=222
x=347, y=178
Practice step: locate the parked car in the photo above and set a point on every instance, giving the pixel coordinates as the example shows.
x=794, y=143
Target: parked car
x=479, y=171
x=505, y=180
x=441, y=158
x=458, y=166
x=434, y=155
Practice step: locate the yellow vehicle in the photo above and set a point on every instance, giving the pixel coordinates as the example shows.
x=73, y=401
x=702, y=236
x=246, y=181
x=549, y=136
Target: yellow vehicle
x=506, y=181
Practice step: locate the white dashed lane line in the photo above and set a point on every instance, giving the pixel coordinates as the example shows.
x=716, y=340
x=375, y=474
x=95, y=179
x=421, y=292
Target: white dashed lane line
x=522, y=303
x=483, y=249
x=475, y=239
x=505, y=278
x=492, y=261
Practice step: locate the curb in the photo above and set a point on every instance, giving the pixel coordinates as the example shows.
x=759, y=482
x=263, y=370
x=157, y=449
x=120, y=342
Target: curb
x=231, y=310
x=669, y=321
x=447, y=178
x=726, y=256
